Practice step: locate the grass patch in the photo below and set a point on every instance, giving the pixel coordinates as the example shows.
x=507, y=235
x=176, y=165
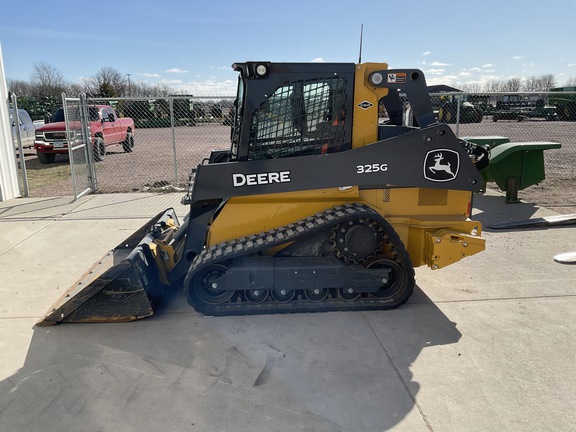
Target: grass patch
x=40, y=175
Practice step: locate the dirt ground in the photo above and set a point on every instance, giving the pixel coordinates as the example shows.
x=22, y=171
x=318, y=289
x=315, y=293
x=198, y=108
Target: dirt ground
x=163, y=157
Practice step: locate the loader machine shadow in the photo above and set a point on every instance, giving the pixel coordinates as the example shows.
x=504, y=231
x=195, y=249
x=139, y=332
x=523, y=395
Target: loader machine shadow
x=318, y=205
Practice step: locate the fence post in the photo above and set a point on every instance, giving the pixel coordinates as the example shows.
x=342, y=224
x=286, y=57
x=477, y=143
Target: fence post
x=20, y=148
x=458, y=105
x=173, y=142
x=93, y=181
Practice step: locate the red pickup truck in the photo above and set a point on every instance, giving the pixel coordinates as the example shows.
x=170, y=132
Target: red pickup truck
x=105, y=128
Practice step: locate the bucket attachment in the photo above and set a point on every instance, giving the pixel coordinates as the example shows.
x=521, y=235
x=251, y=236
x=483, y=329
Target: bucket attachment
x=123, y=286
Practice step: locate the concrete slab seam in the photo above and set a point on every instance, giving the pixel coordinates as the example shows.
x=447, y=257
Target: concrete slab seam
x=400, y=377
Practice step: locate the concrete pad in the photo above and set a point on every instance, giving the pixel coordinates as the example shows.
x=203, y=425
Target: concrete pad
x=517, y=263
x=111, y=206
x=13, y=232
x=39, y=208
x=43, y=266
x=308, y=372
x=512, y=369
x=485, y=344
x=127, y=206
x=49, y=244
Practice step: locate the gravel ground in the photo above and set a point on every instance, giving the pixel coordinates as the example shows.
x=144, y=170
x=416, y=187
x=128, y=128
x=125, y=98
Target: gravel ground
x=558, y=190
x=151, y=167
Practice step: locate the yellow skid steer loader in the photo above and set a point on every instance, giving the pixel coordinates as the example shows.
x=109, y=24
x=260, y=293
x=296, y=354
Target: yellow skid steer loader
x=326, y=201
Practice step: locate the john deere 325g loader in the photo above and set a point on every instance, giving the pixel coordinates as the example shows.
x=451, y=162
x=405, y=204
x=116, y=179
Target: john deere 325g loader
x=325, y=201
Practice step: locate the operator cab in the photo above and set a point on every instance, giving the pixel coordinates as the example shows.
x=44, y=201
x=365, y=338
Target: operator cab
x=292, y=109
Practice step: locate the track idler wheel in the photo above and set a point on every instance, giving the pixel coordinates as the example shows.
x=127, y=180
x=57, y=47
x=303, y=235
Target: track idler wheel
x=395, y=287
x=205, y=284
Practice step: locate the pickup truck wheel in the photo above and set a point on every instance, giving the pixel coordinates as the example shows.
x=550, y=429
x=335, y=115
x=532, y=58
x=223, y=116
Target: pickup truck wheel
x=99, y=149
x=45, y=158
x=128, y=143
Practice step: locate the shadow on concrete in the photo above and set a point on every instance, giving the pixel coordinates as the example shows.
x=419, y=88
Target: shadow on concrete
x=183, y=371
x=37, y=208
x=490, y=209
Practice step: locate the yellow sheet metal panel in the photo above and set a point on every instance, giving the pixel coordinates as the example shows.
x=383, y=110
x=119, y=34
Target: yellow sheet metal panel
x=419, y=201
x=366, y=97
x=253, y=214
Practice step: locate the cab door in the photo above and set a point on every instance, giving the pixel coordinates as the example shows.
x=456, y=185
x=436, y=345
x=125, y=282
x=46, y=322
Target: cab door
x=111, y=127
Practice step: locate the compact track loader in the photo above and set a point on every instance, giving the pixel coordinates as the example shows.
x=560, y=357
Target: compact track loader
x=326, y=201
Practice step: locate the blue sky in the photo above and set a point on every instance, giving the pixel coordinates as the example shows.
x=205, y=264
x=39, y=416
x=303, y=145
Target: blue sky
x=190, y=45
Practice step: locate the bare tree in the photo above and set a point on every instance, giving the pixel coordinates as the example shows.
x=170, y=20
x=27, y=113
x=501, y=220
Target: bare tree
x=47, y=80
x=20, y=88
x=539, y=83
x=548, y=82
x=531, y=84
x=472, y=87
x=513, y=84
x=148, y=90
x=108, y=82
x=74, y=90
x=570, y=82
x=494, y=86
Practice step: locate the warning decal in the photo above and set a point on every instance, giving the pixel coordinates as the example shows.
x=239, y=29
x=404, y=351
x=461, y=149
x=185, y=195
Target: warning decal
x=365, y=105
x=398, y=78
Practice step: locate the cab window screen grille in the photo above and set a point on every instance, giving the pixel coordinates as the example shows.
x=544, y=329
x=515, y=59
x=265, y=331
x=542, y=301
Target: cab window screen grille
x=300, y=118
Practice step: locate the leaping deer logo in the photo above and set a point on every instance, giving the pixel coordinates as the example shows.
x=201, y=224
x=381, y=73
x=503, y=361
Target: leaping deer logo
x=440, y=166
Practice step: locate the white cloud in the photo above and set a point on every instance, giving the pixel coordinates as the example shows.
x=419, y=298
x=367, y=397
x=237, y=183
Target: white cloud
x=450, y=80
x=435, y=71
x=171, y=82
x=487, y=65
x=436, y=63
x=176, y=70
x=209, y=87
x=426, y=53
x=318, y=60
x=150, y=75
x=465, y=74
x=517, y=57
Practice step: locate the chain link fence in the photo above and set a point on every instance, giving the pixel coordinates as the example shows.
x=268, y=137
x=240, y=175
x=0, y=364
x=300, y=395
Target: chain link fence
x=171, y=137
x=174, y=134
x=522, y=117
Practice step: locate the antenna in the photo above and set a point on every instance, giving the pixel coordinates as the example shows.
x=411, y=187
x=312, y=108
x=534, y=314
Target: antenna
x=361, y=32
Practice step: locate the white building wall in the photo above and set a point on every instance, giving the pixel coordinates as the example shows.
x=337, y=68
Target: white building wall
x=8, y=170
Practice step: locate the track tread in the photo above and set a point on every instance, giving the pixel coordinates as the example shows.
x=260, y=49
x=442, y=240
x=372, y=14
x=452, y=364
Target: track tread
x=254, y=243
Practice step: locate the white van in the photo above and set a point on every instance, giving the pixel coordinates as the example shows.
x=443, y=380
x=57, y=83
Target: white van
x=27, y=129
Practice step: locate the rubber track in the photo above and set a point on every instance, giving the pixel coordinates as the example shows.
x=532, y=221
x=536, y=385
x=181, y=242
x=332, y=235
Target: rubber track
x=254, y=243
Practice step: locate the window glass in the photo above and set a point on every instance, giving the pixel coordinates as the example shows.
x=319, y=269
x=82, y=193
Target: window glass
x=299, y=118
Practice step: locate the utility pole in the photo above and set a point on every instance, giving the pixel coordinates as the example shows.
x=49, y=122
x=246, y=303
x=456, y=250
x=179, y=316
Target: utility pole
x=129, y=88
